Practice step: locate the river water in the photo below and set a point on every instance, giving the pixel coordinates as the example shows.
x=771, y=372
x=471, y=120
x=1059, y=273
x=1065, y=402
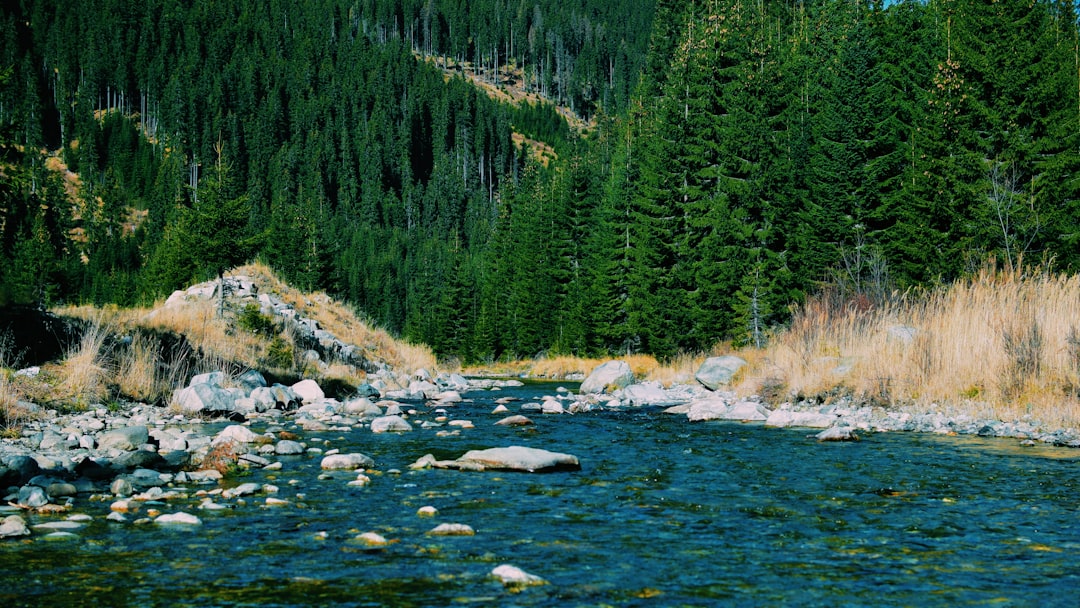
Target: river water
x=662, y=513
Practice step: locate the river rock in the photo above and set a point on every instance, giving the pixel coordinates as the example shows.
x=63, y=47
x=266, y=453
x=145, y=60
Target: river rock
x=13, y=525
x=648, y=393
x=125, y=439
x=362, y=407
x=251, y=380
x=785, y=418
x=512, y=576
x=139, y=459
x=236, y=432
x=837, y=433
x=719, y=371
x=32, y=497
x=367, y=391
x=210, y=378
x=373, y=539
x=181, y=518
x=347, y=462
x=121, y=487
x=452, y=530
x=552, y=406
x=390, y=424
x=717, y=409
x=308, y=391
x=612, y=375
x=17, y=469
x=288, y=447
x=518, y=458
x=204, y=398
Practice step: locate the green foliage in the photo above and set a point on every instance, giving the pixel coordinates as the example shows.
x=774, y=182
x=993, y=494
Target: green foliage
x=752, y=152
x=251, y=319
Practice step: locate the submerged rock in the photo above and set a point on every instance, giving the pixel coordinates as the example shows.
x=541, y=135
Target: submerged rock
x=515, y=420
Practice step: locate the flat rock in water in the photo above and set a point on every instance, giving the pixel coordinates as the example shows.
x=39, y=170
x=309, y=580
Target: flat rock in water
x=347, y=462
x=180, y=518
x=837, y=433
x=715, y=409
x=512, y=576
x=518, y=458
x=515, y=420
x=452, y=530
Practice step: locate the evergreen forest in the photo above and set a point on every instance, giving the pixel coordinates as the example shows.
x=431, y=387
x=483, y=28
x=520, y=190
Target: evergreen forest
x=737, y=157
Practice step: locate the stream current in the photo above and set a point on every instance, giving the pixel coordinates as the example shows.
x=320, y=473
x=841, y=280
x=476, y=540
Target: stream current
x=662, y=513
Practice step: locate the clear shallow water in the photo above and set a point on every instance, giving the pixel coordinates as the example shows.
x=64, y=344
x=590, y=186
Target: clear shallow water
x=663, y=513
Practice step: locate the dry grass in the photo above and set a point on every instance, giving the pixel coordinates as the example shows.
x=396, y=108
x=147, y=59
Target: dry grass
x=1001, y=345
x=81, y=378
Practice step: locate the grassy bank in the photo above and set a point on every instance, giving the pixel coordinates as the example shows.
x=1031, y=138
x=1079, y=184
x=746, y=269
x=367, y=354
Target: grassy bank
x=144, y=354
x=1000, y=345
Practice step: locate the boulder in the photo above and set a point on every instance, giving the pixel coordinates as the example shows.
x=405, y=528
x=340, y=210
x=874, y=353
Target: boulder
x=390, y=424
x=649, y=393
x=13, y=525
x=236, y=432
x=609, y=376
x=784, y=418
x=125, y=439
x=288, y=447
x=211, y=378
x=718, y=371
x=308, y=391
x=251, y=380
x=139, y=459
x=204, y=398
x=362, y=407
x=17, y=469
x=32, y=497
x=346, y=462
x=367, y=391
x=518, y=458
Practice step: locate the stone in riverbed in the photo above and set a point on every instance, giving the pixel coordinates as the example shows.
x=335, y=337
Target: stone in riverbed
x=515, y=420
x=390, y=424
x=452, y=530
x=308, y=391
x=180, y=518
x=611, y=375
x=347, y=462
x=236, y=432
x=32, y=497
x=287, y=447
x=718, y=409
x=512, y=576
x=204, y=398
x=125, y=439
x=373, y=539
x=13, y=525
x=517, y=458
x=837, y=433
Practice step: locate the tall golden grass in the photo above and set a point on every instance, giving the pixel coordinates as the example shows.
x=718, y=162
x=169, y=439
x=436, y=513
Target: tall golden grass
x=1003, y=345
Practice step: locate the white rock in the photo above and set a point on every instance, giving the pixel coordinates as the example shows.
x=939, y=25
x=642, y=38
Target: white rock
x=373, y=539
x=427, y=511
x=178, y=518
x=512, y=576
x=236, y=432
x=785, y=418
x=718, y=371
x=347, y=462
x=308, y=391
x=452, y=530
x=609, y=375
x=390, y=424
x=13, y=525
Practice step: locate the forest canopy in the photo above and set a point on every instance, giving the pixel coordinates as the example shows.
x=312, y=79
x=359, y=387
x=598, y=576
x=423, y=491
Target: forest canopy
x=738, y=156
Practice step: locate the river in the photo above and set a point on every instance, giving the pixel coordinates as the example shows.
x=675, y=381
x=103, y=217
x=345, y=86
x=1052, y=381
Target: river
x=662, y=513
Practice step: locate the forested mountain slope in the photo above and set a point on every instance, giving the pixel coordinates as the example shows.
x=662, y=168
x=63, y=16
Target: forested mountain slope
x=742, y=154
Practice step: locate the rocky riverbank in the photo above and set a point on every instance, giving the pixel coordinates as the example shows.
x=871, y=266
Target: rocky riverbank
x=163, y=464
